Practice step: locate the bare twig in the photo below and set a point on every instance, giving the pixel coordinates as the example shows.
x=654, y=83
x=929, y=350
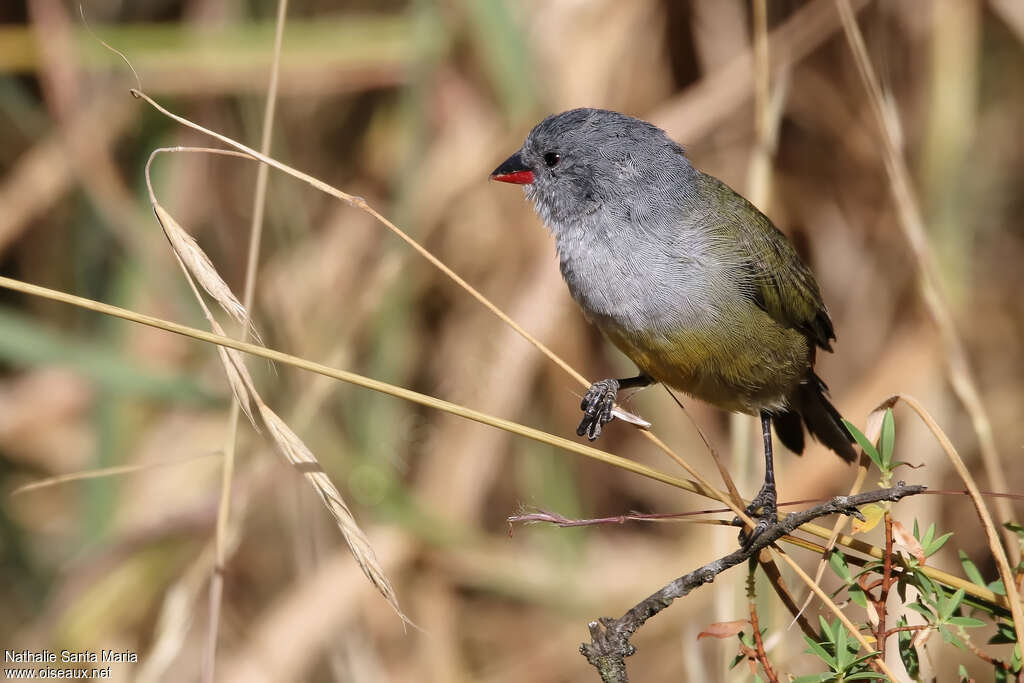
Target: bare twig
x=609, y=645
x=759, y=651
x=887, y=581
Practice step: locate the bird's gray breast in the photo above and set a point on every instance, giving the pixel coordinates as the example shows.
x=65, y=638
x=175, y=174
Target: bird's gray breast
x=646, y=279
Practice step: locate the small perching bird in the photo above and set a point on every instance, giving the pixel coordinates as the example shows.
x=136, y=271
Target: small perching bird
x=684, y=276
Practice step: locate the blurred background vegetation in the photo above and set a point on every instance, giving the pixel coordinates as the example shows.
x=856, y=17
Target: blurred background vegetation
x=410, y=105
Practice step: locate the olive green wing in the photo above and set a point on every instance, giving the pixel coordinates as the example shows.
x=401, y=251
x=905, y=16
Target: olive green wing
x=777, y=280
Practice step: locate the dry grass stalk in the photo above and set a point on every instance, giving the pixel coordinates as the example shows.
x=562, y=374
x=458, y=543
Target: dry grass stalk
x=252, y=263
x=104, y=472
x=255, y=238
x=991, y=535
x=872, y=430
x=361, y=204
x=960, y=375
x=298, y=454
x=195, y=260
x=537, y=435
x=288, y=443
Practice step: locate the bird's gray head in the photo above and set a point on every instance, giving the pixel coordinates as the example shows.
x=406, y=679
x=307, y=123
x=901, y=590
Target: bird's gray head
x=584, y=160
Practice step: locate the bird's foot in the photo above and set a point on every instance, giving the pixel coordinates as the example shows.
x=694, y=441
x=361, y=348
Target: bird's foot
x=764, y=509
x=597, y=408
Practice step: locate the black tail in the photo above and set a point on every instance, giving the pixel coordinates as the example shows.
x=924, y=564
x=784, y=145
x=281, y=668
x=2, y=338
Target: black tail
x=810, y=406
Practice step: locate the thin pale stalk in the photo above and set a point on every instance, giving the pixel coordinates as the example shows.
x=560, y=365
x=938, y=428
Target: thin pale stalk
x=231, y=439
x=104, y=472
x=995, y=547
x=909, y=212
x=468, y=413
x=361, y=204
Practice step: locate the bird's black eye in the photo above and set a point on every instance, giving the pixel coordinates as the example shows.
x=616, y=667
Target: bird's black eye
x=551, y=159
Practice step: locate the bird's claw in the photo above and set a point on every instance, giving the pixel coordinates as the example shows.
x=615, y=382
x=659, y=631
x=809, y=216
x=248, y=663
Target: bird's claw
x=597, y=407
x=765, y=510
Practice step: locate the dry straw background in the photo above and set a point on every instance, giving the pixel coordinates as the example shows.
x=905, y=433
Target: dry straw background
x=410, y=105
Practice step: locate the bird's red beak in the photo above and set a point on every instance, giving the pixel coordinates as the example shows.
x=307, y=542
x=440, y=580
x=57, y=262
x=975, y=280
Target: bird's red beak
x=513, y=170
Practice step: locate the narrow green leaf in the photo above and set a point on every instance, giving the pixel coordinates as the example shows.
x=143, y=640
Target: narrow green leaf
x=933, y=547
x=857, y=596
x=820, y=652
x=926, y=585
x=921, y=609
x=971, y=569
x=1015, y=527
x=928, y=536
x=908, y=653
x=839, y=566
x=826, y=630
x=843, y=658
x=966, y=622
x=864, y=443
x=950, y=605
x=1004, y=634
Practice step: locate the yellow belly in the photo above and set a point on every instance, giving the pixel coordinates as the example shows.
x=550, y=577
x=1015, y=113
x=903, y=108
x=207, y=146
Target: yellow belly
x=749, y=365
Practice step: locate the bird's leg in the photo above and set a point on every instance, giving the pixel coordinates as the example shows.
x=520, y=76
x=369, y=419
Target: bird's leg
x=599, y=400
x=764, y=506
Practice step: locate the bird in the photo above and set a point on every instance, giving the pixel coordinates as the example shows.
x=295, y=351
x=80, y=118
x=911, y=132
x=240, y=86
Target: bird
x=687, y=278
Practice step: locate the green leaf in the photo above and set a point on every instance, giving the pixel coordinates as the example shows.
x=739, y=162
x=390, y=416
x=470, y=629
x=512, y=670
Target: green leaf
x=863, y=658
x=928, y=536
x=864, y=443
x=926, y=585
x=966, y=622
x=887, y=439
x=971, y=569
x=933, y=547
x=921, y=609
x=951, y=638
x=843, y=658
x=951, y=605
x=820, y=652
x=814, y=678
x=1015, y=528
x=857, y=596
x=867, y=676
x=839, y=566
x=1004, y=634
x=997, y=587
x=826, y=630
x=908, y=653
